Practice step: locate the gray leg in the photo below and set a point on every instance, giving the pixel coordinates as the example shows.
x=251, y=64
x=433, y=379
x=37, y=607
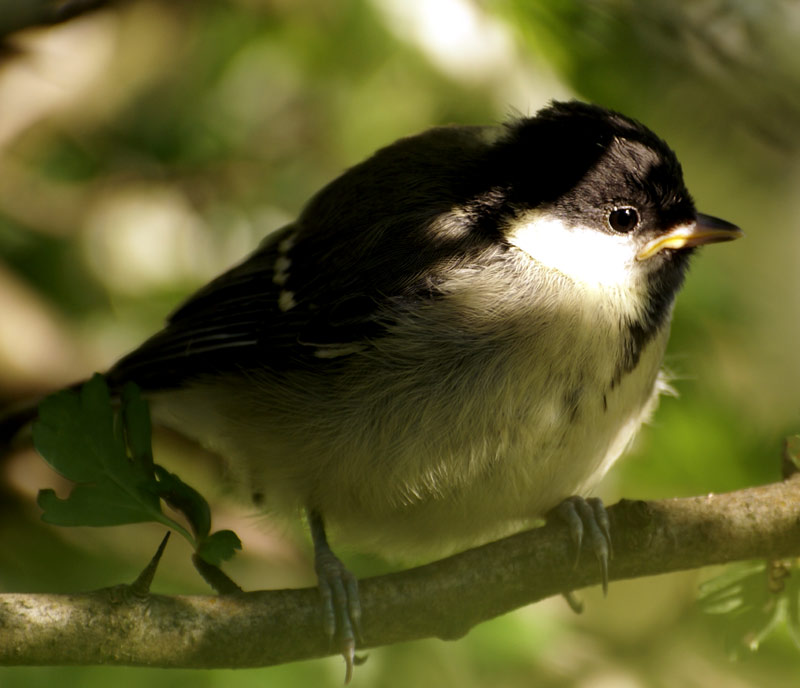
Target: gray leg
x=588, y=517
x=338, y=588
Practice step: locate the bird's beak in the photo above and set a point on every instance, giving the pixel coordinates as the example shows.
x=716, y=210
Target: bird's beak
x=704, y=230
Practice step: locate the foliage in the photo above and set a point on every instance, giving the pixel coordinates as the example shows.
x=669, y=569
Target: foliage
x=109, y=455
x=755, y=599
x=184, y=131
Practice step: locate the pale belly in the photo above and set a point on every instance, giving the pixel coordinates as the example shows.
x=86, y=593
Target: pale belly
x=432, y=479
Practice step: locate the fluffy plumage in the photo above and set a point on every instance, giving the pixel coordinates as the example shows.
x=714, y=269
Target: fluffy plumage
x=451, y=338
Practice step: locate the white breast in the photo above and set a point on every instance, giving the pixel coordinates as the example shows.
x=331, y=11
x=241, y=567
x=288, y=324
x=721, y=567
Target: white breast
x=476, y=415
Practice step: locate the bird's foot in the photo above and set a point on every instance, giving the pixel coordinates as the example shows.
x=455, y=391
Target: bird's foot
x=587, y=520
x=341, y=605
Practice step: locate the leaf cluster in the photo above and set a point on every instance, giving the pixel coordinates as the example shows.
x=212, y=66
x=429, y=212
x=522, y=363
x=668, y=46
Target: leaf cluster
x=107, y=452
x=756, y=599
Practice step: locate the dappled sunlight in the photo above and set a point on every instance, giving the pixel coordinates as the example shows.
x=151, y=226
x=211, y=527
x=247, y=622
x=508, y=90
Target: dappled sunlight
x=146, y=147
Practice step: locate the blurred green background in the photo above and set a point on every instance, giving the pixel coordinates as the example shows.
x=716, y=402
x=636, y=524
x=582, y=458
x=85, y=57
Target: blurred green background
x=147, y=146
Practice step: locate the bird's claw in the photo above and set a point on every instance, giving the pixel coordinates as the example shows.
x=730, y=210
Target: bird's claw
x=588, y=517
x=341, y=606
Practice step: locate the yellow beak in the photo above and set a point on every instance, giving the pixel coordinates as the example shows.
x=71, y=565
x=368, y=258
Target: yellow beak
x=704, y=230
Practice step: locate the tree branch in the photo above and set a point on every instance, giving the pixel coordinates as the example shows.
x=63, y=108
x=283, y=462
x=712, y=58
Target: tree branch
x=444, y=599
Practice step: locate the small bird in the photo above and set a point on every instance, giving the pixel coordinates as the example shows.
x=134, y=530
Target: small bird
x=456, y=336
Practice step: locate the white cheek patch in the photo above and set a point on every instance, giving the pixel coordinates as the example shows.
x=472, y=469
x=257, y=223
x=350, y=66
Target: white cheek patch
x=584, y=255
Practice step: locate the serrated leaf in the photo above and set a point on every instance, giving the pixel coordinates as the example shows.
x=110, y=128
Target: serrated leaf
x=110, y=458
x=185, y=499
x=95, y=505
x=76, y=434
x=219, y=547
x=75, y=431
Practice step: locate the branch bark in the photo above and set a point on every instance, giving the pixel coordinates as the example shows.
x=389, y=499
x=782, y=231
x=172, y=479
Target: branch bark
x=443, y=599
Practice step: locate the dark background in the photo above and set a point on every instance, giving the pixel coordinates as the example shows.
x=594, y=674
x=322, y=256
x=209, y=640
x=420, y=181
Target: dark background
x=147, y=146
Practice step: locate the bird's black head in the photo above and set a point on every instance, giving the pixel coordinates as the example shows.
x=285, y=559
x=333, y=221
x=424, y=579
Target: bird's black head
x=595, y=168
x=584, y=191
x=579, y=170
x=599, y=199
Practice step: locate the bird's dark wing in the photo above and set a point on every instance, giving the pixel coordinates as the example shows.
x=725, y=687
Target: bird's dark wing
x=373, y=242
x=253, y=316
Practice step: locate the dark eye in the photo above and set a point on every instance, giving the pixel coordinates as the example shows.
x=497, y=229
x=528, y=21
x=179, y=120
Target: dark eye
x=623, y=220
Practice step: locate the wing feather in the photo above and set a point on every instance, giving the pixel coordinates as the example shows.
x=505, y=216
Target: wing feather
x=235, y=323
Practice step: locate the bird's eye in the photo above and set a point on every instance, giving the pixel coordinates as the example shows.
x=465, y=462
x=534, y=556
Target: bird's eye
x=623, y=220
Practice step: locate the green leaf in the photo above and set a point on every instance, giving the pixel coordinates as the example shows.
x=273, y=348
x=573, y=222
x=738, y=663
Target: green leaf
x=185, y=499
x=93, y=505
x=754, y=599
x=111, y=458
x=75, y=431
x=726, y=592
x=793, y=615
x=138, y=430
x=77, y=436
x=219, y=546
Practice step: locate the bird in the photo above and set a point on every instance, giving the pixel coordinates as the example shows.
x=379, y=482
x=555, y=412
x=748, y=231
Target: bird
x=456, y=337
